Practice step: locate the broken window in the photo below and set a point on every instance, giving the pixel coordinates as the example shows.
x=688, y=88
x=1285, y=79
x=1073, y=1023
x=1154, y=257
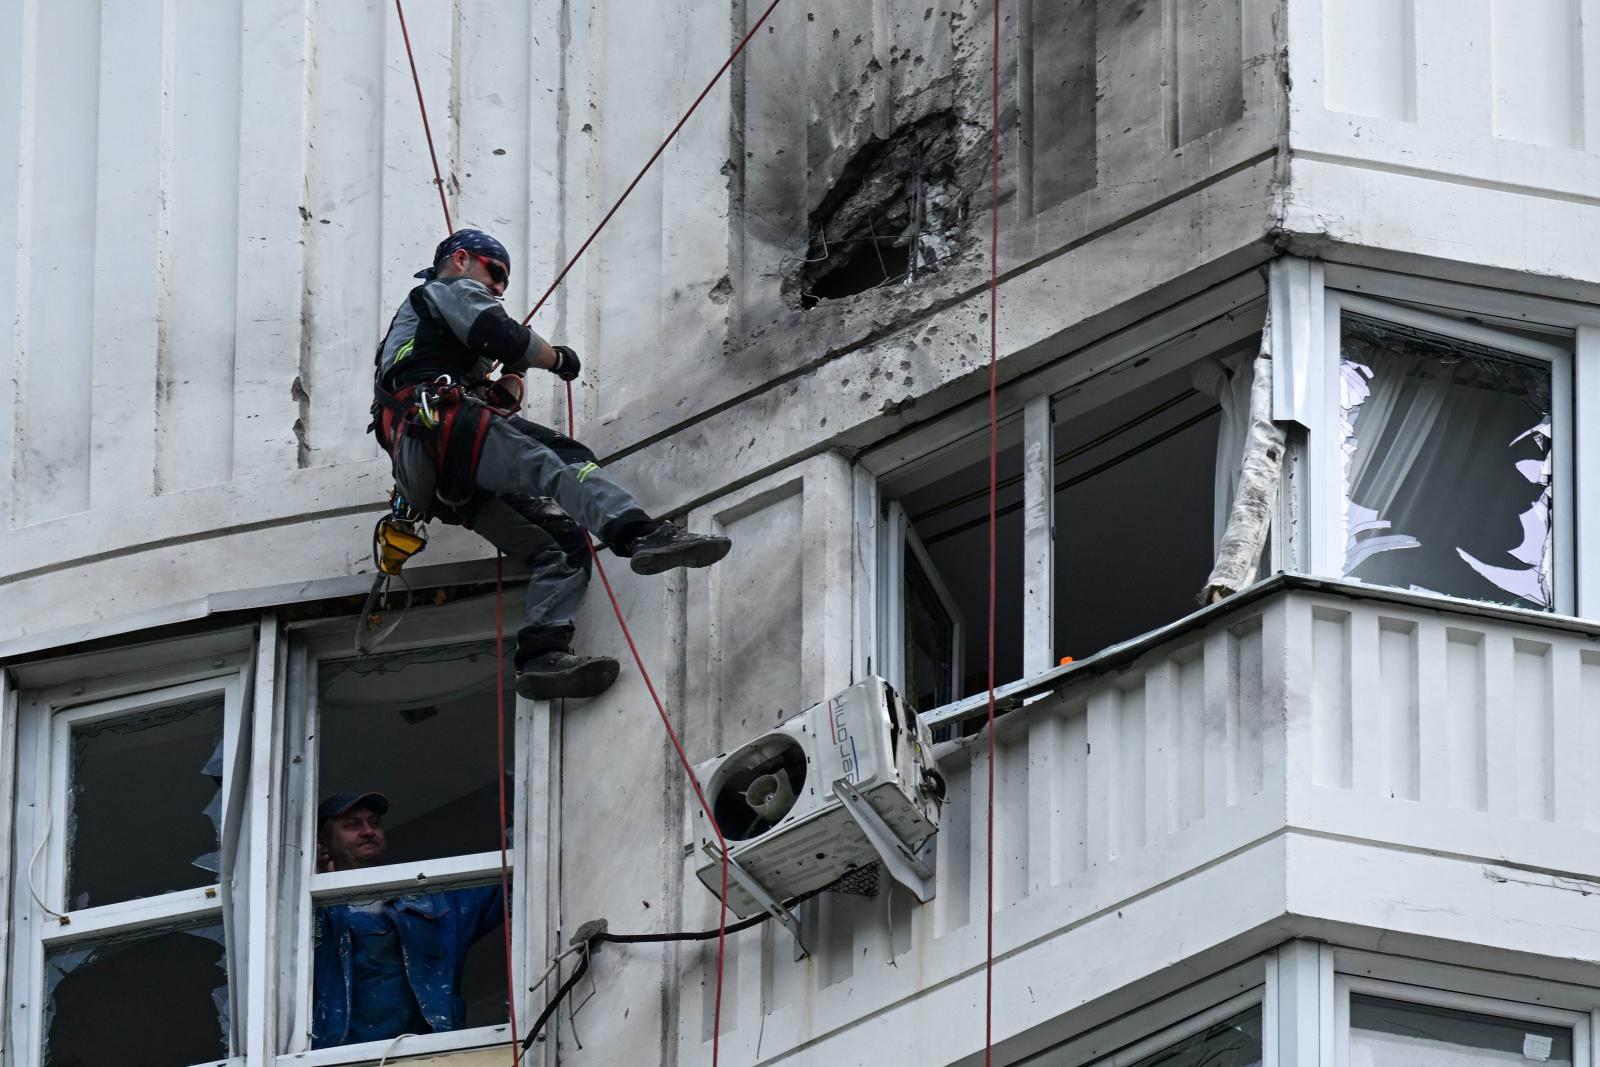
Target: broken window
x=158, y=998
x=127, y=887
x=1448, y=454
x=1393, y=1033
x=419, y=728
x=146, y=803
x=1142, y=486
x=1233, y=1042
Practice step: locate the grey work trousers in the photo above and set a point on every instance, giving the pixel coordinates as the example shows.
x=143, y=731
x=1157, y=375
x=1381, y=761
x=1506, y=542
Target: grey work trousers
x=538, y=491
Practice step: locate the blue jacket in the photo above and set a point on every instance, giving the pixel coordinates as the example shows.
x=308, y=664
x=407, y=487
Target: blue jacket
x=436, y=929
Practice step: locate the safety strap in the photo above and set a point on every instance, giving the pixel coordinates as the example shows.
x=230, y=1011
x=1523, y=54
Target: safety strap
x=454, y=442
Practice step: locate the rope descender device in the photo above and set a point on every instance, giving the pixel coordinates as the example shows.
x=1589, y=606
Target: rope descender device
x=400, y=533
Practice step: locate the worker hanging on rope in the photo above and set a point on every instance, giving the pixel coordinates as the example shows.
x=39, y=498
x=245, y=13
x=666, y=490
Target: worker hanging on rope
x=462, y=454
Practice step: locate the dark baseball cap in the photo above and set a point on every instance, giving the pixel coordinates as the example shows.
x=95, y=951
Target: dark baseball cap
x=339, y=803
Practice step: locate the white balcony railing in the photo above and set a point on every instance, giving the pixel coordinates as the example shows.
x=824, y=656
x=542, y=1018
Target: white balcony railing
x=1301, y=708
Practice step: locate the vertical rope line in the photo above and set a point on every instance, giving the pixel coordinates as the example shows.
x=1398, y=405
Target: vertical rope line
x=599, y=567
x=500, y=761
x=994, y=482
x=677, y=746
x=427, y=131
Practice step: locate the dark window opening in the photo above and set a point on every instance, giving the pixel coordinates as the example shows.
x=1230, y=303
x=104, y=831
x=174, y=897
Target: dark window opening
x=145, y=804
x=950, y=516
x=418, y=727
x=156, y=999
x=1136, y=504
x=931, y=640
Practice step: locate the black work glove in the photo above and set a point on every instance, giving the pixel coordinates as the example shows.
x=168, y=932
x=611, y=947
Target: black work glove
x=567, y=365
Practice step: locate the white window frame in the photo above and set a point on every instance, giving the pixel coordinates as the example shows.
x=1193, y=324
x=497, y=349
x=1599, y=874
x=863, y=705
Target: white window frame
x=898, y=541
x=1028, y=408
x=1329, y=538
x=1511, y=1010
x=1574, y=327
x=1510, y=996
x=1165, y=1039
x=1164, y=1022
x=303, y=888
x=45, y=720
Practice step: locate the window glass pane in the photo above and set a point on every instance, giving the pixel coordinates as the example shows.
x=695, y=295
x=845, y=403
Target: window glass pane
x=1234, y=1042
x=146, y=803
x=155, y=999
x=930, y=641
x=1447, y=465
x=1392, y=1033
x=419, y=728
x=415, y=964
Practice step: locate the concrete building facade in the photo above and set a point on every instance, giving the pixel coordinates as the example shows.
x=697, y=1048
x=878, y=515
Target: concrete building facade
x=1344, y=817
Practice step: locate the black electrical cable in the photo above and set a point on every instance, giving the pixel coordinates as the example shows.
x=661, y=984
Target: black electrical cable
x=555, y=1001
x=644, y=939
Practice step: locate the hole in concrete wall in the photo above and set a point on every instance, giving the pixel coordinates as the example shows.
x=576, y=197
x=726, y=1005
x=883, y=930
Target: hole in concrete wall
x=893, y=214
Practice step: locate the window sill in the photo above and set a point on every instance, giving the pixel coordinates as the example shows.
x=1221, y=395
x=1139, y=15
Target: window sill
x=406, y=1045
x=423, y=876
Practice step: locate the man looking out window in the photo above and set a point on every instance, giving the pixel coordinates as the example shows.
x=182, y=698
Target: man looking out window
x=383, y=968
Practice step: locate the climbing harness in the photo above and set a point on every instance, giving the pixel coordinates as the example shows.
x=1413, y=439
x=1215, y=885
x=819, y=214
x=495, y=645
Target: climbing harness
x=379, y=420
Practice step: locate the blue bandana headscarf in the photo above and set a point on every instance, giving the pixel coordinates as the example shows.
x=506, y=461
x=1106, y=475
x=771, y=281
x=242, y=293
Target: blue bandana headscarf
x=468, y=241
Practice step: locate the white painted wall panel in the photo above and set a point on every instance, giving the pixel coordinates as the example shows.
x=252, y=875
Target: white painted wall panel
x=1436, y=109
x=195, y=386
x=54, y=407
x=1370, y=58
x=1538, y=71
x=132, y=257
x=345, y=193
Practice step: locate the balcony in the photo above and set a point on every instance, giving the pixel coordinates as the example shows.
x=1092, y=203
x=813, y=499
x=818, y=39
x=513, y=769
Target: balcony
x=1309, y=759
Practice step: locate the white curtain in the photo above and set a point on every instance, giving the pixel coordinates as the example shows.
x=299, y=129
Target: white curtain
x=1446, y=460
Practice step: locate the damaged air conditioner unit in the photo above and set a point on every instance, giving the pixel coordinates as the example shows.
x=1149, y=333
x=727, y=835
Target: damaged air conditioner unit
x=846, y=783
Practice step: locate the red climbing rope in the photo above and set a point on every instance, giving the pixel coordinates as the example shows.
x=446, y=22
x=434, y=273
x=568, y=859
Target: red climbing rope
x=637, y=178
x=427, y=131
x=622, y=622
x=499, y=611
x=500, y=781
x=994, y=482
x=599, y=566
x=677, y=746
